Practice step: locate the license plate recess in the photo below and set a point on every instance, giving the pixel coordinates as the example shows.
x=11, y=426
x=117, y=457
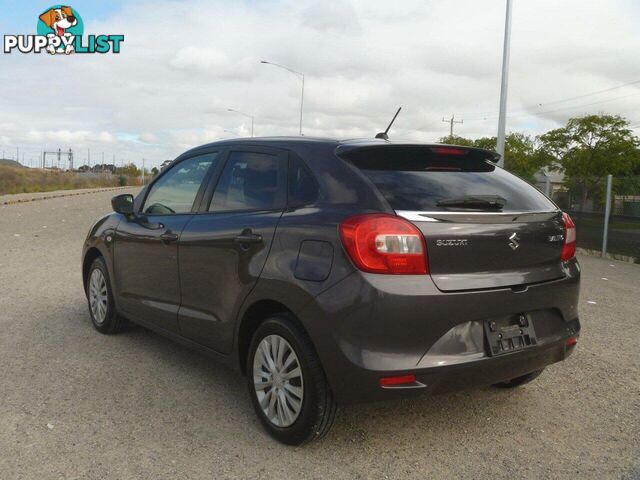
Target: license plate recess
x=509, y=334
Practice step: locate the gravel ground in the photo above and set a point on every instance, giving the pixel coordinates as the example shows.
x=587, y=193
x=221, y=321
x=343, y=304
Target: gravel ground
x=77, y=404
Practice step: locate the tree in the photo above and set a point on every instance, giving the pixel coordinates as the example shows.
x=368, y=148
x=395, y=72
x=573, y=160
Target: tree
x=589, y=148
x=456, y=140
x=129, y=170
x=488, y=143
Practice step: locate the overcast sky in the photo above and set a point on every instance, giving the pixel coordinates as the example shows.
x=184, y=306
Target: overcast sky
x=184, y=63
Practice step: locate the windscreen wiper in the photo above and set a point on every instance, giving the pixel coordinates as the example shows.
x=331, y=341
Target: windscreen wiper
x=474, y=202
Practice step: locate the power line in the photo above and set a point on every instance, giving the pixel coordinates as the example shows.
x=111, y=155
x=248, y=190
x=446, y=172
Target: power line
x=578, y=106
x=524, y=112
x=554, y=102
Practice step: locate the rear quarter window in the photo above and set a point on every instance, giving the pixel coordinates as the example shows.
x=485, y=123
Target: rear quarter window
x=416, y=178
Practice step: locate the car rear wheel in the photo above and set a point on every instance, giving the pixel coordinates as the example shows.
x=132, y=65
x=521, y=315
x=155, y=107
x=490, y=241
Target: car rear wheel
x=518, y=381
x=287, y=384
x=104, y=316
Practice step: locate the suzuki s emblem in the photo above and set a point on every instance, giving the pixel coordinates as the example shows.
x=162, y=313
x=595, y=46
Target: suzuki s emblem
x=514, y=241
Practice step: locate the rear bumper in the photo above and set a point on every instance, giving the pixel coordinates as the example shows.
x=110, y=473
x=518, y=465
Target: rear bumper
x=372, y=326
x=435, y=380
x=490, y=370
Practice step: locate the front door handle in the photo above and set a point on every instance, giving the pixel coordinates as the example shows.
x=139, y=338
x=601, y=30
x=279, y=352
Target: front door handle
x=168, y=237
x=247, y=237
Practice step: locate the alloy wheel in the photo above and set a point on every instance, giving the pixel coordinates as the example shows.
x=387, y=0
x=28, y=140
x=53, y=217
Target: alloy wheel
x=277, y=380
x=98, y=297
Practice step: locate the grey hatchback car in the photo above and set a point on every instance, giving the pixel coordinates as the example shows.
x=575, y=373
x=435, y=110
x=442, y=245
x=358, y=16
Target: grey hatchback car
x=330, y=272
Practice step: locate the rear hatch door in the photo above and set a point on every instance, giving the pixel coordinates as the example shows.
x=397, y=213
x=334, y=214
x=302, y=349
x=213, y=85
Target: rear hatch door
x=483, y=227
x=489, y=251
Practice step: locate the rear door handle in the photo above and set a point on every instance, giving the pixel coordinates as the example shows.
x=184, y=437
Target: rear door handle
x=169, y=237
x=247, y=236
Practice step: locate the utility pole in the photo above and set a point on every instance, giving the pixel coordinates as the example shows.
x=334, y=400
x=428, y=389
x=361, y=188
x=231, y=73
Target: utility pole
x=502, y=121
x=17, y=154
x=143, y=172
x=89, y=158
x=451, y=121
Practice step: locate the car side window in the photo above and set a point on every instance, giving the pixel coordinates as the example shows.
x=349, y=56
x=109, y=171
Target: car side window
x=177, y=189
x=251, y=181
x=303, y=188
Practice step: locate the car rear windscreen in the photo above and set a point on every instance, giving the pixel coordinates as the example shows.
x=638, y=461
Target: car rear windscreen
x=421, y=179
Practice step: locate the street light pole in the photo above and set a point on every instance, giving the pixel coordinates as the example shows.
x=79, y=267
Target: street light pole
x=245, y=114
x=301, y=103
x=502, y=121
x=301, y=75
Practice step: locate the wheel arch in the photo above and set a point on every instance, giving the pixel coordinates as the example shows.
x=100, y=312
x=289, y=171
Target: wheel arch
x=253, y=316
x=89, y=257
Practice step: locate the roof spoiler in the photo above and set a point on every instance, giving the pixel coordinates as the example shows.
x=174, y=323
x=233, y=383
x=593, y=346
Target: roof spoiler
x=454, y=151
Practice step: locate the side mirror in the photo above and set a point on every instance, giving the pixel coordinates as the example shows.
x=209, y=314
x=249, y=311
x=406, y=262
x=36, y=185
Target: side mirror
x=123, y=204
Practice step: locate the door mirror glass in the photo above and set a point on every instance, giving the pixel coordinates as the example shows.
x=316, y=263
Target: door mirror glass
x=123, y=204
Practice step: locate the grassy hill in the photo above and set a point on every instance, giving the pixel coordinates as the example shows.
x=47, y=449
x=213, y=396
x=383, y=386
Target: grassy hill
x=10, y=163
x=28, y=180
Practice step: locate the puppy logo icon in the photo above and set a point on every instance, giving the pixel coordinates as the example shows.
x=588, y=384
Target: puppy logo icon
x=60, y=30
x=62, y=22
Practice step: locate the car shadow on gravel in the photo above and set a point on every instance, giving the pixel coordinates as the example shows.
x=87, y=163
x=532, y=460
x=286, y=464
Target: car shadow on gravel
x=211, y=387
x=354, y=423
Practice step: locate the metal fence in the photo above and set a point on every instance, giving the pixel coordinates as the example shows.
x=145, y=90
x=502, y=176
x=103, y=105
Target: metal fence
x=606, y=213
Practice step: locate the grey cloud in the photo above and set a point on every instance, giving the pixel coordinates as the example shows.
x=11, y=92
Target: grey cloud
x=173, y=82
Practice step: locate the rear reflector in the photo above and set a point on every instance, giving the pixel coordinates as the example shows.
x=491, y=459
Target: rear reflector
x=396, y=381
x=383, y=243
x=569, y=247
x=571, y=342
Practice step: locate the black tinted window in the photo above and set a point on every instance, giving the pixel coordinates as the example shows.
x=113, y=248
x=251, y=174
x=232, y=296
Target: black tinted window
x=251, y=181
x=415, y=178
x=303, y=189
x=176, y=190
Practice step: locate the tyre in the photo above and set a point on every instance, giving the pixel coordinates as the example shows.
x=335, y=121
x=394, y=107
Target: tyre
x=287, y=384
x=518, y=381
x=102, y=309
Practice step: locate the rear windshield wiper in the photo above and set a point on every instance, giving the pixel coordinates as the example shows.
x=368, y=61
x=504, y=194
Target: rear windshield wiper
x=474, y=202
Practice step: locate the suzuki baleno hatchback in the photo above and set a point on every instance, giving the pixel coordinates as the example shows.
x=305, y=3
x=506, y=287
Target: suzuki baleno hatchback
x=330, y=272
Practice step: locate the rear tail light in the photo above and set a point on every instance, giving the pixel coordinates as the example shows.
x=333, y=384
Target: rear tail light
x=382, y=243
x=569, y=247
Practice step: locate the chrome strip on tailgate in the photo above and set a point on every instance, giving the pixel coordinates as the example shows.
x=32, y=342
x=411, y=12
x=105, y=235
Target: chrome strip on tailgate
x=418, y=216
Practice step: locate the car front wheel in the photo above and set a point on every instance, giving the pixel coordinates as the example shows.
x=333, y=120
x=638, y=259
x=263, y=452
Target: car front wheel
x=287, y=384
x=102, y=309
